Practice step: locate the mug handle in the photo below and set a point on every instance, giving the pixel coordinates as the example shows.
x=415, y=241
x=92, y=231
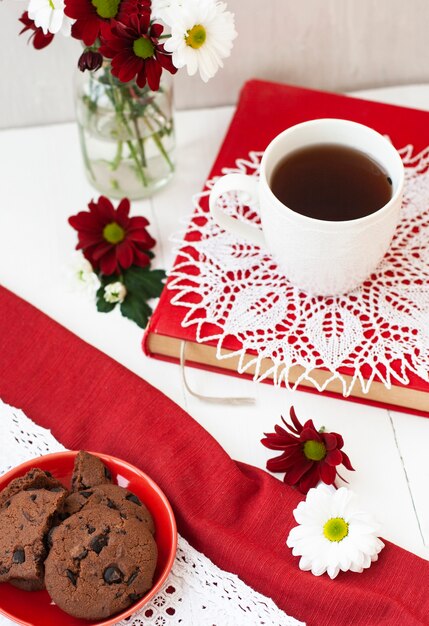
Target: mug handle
x=236, y=182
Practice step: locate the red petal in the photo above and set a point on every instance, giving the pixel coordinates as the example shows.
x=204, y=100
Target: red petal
x=295, y=420
x=85, y=221
x=310, y=434
x=153, y=73
x=79, y=9
x=143, y=237
x=297, y=472
x=143, y=23
x=87, y=254
x=334, y=457
x=140, y=258
x=283, y=462
x=346, y=462
x=126, y=66
x=273, y=443
x=327, y=473
x=146, y=245
x=330, y=440
x=137, y=222
x=281, y=440
x=87, y=239
x=309, y=481
x=141, y=78
x=108, y=264
x=87, y=30
x=41, y=40
x=124, y=255
x=156, y=30
x=105, y=210
x=123, y=209
x=340, y=440
x=103, y=248
x=165, y=60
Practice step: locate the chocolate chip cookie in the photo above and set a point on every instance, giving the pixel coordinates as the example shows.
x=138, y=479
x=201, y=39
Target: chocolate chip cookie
x=112, y=496
x=89, y=471
x=34, y=479
x=25, y=521
x=100, y=563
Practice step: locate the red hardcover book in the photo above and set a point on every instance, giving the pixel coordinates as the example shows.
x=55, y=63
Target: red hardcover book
x=264, y=110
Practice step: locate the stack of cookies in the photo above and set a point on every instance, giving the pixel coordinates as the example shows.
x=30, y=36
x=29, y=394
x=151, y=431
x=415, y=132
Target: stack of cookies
x=92, y=548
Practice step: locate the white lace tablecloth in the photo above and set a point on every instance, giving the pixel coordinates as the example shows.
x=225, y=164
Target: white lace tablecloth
x=197, y=593
x=379, y=331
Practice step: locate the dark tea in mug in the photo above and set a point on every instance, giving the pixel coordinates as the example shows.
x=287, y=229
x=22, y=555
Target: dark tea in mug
x=331, y=182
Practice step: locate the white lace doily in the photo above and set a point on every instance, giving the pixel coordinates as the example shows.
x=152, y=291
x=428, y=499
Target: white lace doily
x=380, y=331
x=197, y=593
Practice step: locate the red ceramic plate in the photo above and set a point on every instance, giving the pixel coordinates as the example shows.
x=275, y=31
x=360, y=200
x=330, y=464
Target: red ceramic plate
x=35, y=608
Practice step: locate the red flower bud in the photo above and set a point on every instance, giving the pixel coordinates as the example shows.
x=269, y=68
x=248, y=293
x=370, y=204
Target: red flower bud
x=90, y=60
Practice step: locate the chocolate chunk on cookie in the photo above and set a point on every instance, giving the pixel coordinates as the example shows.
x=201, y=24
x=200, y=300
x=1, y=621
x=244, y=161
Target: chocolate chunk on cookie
x=100, y=563
x=24, y=525
x=89, y=471
x=34, y=479
x=112, y=496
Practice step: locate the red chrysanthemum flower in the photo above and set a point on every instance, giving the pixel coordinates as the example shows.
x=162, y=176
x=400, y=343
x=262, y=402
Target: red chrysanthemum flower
x=135, y=51
x=308, y=456
x=110, y=239
x=94, y=17
x=37, y=36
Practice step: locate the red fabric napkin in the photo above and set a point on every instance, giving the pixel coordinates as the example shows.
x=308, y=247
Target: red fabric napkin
x=238, y=515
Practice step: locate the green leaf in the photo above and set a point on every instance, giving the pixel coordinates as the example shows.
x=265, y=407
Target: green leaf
x=136, y=309
x=111, y=278
x=144, y=282
x=102, y=305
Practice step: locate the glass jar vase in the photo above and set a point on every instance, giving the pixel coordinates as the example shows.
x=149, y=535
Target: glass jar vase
x=126, y=134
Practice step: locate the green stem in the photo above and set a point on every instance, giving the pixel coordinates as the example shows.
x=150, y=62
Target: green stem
x=118, y=157
x=119, y=109
x=135, y=156
x=140, y=142
x=159, y=143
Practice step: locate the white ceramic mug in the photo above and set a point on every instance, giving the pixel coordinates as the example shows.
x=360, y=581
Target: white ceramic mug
x=319, y=256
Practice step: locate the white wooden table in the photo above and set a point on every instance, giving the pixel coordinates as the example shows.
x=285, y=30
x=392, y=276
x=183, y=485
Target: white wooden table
x=42, y=183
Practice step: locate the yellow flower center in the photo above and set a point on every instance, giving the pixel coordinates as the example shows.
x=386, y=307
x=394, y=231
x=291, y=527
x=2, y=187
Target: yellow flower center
x=52, y=5
x=113, y=233
x=106, y=8
x=314, y=450
x=143, y=48
x=196, y=36
x=336, y=529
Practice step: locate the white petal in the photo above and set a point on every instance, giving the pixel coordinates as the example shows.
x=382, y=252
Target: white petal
x=56, y=22
x=318, y=568
x=333, y=571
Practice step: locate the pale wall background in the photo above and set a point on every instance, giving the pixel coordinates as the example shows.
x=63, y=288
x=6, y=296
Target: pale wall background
x=329, y=44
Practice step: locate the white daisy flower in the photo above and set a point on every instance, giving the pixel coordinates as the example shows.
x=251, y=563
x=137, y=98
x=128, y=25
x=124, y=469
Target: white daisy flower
x=49, y=16
x=159, y=7
x=333, y=533
x=82, y=277
x=202, y=32
x=115, y=292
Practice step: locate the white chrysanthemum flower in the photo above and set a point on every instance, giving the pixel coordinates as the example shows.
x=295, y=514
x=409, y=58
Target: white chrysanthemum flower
x=159, y=7
x=115, y=292
x=81, y=276
x=49, y=16
x=202, y=32
x=333, y=533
